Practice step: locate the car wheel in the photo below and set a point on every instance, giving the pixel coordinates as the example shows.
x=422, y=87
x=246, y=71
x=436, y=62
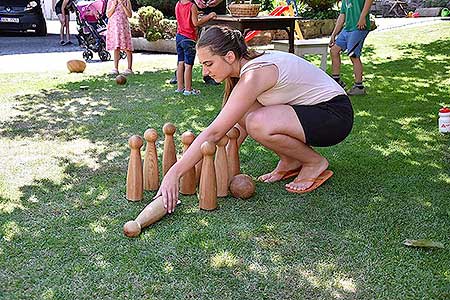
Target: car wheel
x=42, y=29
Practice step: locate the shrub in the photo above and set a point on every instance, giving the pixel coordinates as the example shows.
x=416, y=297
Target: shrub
x=149, y=17
x=168, y=28
x=152, y=25
x=153, y=34
x=134, y=26
x=167, y=7
x=320, y=9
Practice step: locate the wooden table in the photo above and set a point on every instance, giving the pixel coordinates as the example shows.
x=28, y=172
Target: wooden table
x=311, y=46
x=244, y=24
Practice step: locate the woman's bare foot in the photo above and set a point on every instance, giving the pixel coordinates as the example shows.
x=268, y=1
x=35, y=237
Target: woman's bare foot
x=307, y=175
x=283, y=170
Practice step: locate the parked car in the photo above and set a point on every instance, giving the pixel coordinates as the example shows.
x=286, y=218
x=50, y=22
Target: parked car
x=22, y=15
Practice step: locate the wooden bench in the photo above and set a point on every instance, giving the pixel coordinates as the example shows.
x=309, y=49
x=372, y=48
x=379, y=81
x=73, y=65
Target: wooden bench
x=302, y=47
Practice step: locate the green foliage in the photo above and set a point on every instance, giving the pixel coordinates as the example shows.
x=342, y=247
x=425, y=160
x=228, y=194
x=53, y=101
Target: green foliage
x=168, y=28
x=267, y=5
x=149, y=18
x=134, y=27
x=167, y=7
x=153, y=26
x=320, y=5
x=320, y=15
x=319, y=9
x=153, y=34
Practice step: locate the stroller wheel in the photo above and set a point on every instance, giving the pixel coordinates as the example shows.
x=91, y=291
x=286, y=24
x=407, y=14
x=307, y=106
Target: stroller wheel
x=104, y=55
x=88, y=55
x=123, y=54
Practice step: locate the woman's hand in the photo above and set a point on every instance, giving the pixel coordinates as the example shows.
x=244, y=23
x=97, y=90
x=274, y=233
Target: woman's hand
x=169, y=190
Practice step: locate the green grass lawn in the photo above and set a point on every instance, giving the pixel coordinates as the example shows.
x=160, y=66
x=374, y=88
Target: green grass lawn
x=63, y=158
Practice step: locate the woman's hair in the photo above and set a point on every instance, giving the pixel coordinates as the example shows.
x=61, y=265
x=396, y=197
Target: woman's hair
x=220, y=41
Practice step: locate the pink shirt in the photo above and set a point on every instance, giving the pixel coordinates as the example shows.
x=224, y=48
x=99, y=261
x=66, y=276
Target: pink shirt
x=184, y=20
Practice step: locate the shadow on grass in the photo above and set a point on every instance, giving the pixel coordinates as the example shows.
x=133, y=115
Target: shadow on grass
x=342, y=241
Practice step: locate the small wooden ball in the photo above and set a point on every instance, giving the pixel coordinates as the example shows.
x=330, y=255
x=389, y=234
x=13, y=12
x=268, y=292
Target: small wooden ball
x=135, y=141
x=121, y=79
x=187, y=137
x=150, y=135
x=169, y=128
x=242, y=186
x=208, y=148
x=131, y=229
x=76, y=66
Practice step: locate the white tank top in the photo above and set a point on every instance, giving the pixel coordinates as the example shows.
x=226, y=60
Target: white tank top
x=299, y=82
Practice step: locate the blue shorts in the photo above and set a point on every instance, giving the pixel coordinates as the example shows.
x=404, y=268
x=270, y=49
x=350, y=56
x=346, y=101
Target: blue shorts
x=185, y=49
x=352, y=42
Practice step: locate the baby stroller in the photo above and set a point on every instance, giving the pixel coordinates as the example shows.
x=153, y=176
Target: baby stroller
x=91, y=19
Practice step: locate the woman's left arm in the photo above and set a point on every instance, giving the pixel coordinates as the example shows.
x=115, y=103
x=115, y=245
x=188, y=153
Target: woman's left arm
x=126, y=4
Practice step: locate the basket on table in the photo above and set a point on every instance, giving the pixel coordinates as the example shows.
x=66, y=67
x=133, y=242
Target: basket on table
x=244, y=9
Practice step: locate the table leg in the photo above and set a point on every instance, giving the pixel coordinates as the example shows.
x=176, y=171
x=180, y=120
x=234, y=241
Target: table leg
x=290, y=31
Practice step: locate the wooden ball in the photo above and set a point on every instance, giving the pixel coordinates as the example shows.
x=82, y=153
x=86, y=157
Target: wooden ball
x=150, y=135
x=208, y=148
x=131, y=229
x=121, y=79
x=242, y=186
x=76, y=66
x=233, y=133
x=187, y=138
x=135, y=141
x=169, y=128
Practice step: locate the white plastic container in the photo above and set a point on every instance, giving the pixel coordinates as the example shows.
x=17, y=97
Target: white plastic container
x=444, y=120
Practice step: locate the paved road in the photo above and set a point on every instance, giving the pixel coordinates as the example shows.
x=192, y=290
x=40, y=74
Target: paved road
x=27, y=53
x=21, y=53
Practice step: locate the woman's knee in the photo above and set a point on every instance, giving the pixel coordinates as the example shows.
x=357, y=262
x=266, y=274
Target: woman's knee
x=255, y=123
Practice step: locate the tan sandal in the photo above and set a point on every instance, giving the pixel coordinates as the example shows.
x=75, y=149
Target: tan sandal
x=324, y=176
x=283, y=174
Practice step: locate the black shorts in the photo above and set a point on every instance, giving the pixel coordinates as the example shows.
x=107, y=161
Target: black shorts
x=327, y=123
x=58, y=7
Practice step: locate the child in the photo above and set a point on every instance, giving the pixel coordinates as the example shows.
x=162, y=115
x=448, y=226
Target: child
x=118, y=34
x=63, y=14
x=354, y=18
x=186, y=13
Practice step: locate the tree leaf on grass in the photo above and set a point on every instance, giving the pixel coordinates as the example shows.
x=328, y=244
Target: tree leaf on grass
x=423, y=244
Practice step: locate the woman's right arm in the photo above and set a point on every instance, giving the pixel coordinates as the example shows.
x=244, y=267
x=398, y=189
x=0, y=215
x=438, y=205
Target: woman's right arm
x=243, y=96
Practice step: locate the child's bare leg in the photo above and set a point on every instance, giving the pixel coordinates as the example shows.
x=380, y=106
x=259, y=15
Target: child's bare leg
x=180, y=75
x=357, y=68
x=116, y=58
x=188, y=77
x=61, y=30
x=335, y=53
x=129, y=59
x=66, y=18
